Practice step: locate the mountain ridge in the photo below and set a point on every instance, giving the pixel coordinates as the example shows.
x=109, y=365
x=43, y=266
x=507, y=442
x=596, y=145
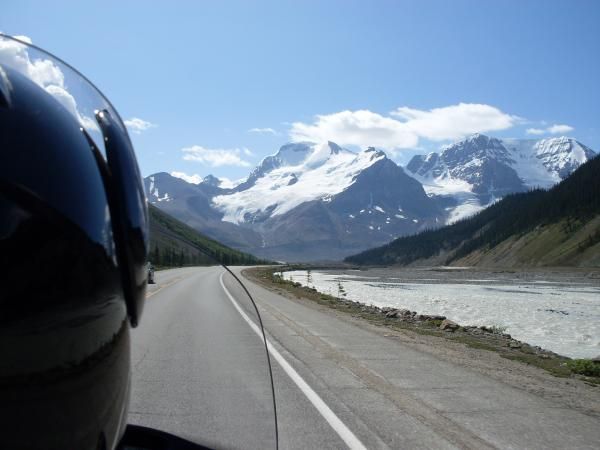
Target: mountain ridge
x=478, y=170
x=172, y=243
x=557, y=226
x=324, y=202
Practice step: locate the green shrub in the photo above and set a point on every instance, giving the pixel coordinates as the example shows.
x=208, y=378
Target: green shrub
x=584, y=367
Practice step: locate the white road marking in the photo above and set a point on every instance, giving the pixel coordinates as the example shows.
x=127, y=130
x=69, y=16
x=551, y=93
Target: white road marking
x=334, y=421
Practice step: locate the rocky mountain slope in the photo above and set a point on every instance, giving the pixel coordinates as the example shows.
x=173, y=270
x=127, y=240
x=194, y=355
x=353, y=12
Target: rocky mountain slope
x=306, y=202
x=324, y=202
x=480, y=170
x=172, y=243
x=555, y=227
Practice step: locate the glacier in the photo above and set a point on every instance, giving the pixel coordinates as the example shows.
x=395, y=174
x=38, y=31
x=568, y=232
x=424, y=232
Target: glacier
x=316, y=173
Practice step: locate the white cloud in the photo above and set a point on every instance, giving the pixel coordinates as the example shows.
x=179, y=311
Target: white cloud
x=362, y=128
x=137, y=125
x=194, y=179
x=554, y=129
x=262, y=131
x=560, y=129
x=224, y=182
x=215, y=157
x=455, y=121
x=366, y=128
x=24, y=38
x=45, y=73
x=68, y=101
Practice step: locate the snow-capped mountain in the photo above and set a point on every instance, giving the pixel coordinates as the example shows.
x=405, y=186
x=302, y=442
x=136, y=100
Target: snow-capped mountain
x=298, y=173
x=307, y=201
x=479, y=170
x=322, y=202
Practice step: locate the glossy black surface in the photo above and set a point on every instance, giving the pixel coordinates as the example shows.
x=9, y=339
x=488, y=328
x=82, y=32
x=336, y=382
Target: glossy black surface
x=64, y=333
x=129, y=211
x=142, y=438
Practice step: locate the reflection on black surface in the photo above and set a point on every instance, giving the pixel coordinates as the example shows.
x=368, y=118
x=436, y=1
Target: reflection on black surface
x=142, y=438
x=64, y=334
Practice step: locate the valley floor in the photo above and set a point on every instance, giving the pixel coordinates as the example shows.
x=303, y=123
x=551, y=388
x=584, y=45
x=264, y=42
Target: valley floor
x=534, y=370
x=554, y=310
x=340, y=380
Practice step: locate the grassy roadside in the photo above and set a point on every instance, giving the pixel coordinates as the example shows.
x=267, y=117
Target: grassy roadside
x=490, y=339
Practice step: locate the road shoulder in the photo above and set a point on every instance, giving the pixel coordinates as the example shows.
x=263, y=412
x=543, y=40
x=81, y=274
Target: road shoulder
x=476, y=383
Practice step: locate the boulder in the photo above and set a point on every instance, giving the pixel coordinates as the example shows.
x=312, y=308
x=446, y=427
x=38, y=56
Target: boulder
x=437, y=317
x=392, y=314
x=449, y=325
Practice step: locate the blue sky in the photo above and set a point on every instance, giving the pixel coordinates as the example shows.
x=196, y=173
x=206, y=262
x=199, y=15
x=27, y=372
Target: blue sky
x=405, y=76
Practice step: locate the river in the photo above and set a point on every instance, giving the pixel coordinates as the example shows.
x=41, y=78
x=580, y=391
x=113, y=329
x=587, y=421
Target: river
x=558, y=311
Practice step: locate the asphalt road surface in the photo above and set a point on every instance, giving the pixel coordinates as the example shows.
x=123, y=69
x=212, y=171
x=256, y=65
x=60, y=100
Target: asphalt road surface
x=200, y=372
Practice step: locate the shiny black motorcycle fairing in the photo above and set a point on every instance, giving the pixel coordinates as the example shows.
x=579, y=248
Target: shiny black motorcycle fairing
x=129, y=211
x=64, y=330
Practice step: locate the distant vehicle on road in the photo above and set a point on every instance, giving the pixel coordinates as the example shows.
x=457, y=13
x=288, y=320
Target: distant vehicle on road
x=150, y=273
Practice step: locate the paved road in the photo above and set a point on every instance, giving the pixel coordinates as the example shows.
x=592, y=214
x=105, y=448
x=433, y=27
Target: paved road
x=195, y=356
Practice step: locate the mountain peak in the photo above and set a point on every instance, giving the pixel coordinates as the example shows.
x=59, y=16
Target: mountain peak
x=478, y=139
x=482, y=169
x=375, y=153
x=211, y=180
x=293, y=153
x=335, y=149
x=562, y=154
x=475, y=146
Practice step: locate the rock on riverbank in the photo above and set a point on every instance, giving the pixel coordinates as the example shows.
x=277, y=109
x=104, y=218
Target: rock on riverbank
x=495, y=336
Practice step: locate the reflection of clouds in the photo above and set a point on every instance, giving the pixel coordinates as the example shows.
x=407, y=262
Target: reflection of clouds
x=5, y=83
x=45, y=73
x=42, y=71
x=68, y=101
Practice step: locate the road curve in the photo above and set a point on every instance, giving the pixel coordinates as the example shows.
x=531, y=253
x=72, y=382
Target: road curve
x=187, y=361
x=200, y=372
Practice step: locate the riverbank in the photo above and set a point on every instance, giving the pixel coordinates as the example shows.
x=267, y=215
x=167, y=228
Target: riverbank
x=439, y=329
x=558, y=311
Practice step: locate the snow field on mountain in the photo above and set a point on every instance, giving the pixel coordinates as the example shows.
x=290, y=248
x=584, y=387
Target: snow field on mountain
x=559, y=317
x=291, y=195
x=528, y=165
x=467, y=202
x=537, y=163
x=153, y=193
x=323, y=173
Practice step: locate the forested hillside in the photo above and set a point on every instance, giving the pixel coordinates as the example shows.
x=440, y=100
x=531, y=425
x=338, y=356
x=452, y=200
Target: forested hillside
x=173, y=243
x=565, y=215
